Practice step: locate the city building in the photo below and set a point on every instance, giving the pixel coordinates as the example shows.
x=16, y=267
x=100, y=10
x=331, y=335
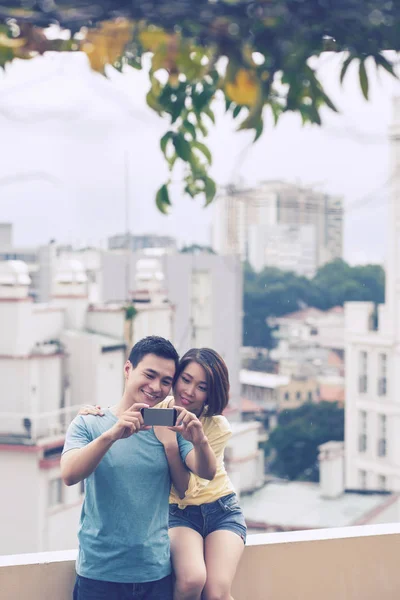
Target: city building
x=311, y=346
x=267, y=224
x=128, y=241
x=206, y=291
x=286, y=247
x=55, y=357
x=50, y=363
x=373, y=363
x=289, y=506
x=311, y=326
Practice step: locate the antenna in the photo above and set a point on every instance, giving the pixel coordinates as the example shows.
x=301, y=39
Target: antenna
x=127, y=228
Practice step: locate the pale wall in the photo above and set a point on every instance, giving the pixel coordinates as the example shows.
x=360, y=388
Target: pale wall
x=107, y=322
x=355, y=563
x=19, y=513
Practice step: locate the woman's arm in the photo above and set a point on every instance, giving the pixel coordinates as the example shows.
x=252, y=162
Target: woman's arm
x=180, y=475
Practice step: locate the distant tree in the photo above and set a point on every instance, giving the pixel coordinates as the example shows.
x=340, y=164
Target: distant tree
x=337, y=283
x=275, y=293
x=196, y=249
x=296, y=439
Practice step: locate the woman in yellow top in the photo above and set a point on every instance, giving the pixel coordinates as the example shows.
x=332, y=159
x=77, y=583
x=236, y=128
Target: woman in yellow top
x=207, y=526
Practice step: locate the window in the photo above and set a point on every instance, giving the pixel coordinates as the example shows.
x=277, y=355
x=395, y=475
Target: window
x=298, y=395
x=362, y=431
x=55, y=492
x=382, y=434
x=309, y=397
x=363, y=368
x=382, y=483
x=362, y=479
x=287, y=396
x=382, y=372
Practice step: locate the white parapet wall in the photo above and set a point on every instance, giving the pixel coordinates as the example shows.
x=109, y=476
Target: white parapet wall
x=354, y=563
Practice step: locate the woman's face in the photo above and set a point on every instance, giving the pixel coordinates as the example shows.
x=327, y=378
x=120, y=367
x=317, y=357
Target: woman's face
x=191, y=388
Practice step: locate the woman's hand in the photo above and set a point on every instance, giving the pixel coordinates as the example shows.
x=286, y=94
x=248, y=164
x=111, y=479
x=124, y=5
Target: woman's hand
x=189, y=426
x=90, y=409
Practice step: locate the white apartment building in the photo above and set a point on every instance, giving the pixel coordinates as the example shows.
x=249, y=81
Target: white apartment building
x=242, y=218
x=54, y=357
x=373, y=364
x=206, y=291
x=287, y=247
x=309, y=327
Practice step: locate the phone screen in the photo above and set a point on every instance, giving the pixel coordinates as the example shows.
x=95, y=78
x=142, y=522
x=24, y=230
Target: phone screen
x=159, y=416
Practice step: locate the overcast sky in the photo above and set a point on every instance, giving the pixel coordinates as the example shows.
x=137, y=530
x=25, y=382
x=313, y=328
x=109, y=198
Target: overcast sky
x=65, y=133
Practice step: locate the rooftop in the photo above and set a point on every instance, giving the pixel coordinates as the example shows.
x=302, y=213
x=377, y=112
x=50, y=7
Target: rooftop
x=260, y=379
x=299, y=505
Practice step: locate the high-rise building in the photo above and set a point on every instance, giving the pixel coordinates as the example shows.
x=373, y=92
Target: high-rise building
x=248, y=221
x=373, y=363
x=207, y=291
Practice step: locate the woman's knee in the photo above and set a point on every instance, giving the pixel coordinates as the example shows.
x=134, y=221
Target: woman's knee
x=216, y=591
x=190, y=585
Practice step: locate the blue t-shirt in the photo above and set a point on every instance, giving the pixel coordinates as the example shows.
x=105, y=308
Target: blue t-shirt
x=123, y=530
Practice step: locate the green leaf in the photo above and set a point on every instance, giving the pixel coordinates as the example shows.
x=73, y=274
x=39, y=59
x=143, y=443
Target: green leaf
x=190, y=128
x=328, y=101
x=345, y=66
x=210, y=114
x=182, y=147
x=162, y=200
x=164, y=141
x=203, y=149
x=202, y=127
x=210, y=189
x=276, y=110
x=382, y=62
x=236, y=111
x=152, y=101
x=171, y=161
x=363, y=79
x=259, y=130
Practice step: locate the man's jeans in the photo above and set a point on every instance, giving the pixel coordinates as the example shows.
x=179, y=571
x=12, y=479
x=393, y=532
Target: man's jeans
x=93, y=589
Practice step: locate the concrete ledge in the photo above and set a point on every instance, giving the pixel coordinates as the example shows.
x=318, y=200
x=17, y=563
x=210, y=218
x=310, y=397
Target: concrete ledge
x=353, y=563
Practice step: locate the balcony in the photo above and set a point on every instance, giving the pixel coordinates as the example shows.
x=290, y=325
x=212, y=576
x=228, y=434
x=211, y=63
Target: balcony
x=354, y=563
x=28, y=429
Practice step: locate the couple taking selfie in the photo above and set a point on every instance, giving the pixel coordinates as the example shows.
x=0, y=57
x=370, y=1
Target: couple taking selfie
x=135, y=528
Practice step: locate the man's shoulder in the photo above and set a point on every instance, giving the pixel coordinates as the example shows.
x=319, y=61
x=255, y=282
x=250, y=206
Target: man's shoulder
x=89, y=426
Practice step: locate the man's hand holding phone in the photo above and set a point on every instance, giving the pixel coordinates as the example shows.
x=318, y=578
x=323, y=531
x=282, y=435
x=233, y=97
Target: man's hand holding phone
x=130, y=422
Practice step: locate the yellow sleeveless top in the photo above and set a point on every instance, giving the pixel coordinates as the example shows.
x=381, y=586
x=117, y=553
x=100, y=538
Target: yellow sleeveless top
x=201, y=491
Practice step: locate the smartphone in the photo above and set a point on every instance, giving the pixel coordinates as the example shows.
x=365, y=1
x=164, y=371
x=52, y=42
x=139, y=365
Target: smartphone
x=159, y=416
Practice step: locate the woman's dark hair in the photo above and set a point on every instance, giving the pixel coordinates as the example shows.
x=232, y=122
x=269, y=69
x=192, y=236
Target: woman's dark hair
x=216, y=374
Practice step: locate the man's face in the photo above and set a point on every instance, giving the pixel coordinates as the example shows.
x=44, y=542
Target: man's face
x=150, y=381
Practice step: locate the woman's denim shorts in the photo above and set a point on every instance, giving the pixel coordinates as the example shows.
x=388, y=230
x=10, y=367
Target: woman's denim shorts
x=224, y=513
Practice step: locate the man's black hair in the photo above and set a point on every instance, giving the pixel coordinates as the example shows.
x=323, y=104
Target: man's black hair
x=153, y=344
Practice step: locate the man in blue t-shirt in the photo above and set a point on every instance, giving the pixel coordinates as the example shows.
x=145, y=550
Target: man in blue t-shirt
x=123, y=534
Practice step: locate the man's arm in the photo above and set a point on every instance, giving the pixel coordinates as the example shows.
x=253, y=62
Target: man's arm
x=79, y=463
